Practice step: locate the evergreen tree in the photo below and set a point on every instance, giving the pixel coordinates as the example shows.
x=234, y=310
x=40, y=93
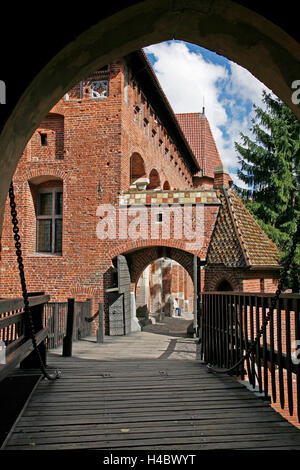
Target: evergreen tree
x=270, y=166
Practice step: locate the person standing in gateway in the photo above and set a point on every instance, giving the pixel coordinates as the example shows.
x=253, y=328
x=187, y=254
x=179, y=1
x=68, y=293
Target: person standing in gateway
x=176, y=307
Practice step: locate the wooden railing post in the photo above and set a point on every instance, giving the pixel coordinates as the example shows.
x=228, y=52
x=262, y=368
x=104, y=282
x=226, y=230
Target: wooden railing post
x=196, y=290
x=77, y=319
x=55, y=325
x=100, y=331
x=67, y=341
x=88, y=314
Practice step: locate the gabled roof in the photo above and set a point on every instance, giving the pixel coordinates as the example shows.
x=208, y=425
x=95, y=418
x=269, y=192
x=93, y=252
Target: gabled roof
x=237, y=239
x=225, y=247
x=258, y=247
x=143, y=73
x=198, y=133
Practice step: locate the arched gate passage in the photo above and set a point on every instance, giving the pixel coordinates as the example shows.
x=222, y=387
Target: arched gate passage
x=120, y=284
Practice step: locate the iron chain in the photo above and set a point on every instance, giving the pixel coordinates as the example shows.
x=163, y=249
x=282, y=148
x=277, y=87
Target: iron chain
x=27, y=310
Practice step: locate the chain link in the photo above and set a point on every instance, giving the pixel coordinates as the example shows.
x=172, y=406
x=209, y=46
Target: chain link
x=269, y=315
x=27, y=310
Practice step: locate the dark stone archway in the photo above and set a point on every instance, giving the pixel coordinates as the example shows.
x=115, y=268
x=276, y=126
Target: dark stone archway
x=139, y=259
x=224, y=26
x=154, y=180
x=224, y=285
x=137, y=167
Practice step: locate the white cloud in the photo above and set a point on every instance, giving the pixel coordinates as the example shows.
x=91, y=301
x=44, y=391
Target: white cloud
x=238, y=181
x=226, y=146
x=187, y=79
x=244, y=85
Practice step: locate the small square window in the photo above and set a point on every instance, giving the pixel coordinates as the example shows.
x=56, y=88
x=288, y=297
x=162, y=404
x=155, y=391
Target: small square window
x=99, y=89
x=44, y=142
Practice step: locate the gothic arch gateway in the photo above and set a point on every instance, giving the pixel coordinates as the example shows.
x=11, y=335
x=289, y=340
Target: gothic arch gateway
x=124, y=299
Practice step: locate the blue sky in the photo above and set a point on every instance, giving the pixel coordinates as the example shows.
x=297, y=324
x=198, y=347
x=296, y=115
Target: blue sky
x=191, y=75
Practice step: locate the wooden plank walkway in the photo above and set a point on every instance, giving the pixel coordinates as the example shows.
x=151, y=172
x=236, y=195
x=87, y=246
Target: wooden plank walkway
x=146, y=391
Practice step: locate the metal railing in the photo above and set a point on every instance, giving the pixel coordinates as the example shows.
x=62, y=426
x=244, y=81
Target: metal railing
x=230, y=322
x=55, y=319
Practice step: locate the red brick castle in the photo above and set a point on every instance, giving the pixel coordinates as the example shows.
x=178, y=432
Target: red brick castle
x=113, y=142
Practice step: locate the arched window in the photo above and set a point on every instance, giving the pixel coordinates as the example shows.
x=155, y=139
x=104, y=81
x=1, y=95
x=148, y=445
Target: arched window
x=47, y=195
x=137, y=167
x=154, y=182
x=166, y=186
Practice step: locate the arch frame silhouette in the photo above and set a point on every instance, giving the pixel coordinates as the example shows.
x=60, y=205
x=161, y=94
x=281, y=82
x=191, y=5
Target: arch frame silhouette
x=225, y=27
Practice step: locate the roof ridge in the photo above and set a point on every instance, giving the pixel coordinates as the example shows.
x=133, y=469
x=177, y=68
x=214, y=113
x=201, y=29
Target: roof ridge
x=236, y=226
x=212, y=137
x=232, y=195
x=197, y=129
x=197, y=112
x=224, y=246
x=148, y=69
x=203, y=146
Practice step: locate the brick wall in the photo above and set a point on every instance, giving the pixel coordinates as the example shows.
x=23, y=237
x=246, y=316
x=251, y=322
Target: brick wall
x=240, y=279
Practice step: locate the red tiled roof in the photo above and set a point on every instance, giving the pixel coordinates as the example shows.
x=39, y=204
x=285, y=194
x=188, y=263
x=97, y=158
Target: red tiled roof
x=238, y=240
x=225, y=247
x=258, y=248
x=197, y=131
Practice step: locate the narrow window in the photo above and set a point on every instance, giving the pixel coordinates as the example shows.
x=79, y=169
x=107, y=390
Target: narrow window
x=44, y=142
x=49, y=220
x=136, y=114
x=146, y=127
x=159, y=217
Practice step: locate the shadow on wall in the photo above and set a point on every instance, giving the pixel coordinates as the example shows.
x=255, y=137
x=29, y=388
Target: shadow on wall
x=142, y=314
